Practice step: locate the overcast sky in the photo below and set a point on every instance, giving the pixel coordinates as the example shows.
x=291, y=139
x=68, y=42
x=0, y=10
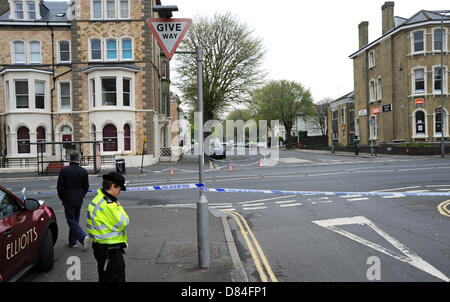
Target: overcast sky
x=308, y=41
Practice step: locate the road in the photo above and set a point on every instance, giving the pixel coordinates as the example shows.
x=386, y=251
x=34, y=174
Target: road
x=313, y=238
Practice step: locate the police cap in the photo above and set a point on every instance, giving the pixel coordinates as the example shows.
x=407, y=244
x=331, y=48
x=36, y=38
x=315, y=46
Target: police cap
x=117, y=179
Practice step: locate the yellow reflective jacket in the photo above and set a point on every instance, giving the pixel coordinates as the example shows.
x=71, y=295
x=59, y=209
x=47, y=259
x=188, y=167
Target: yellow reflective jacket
x=106, y=221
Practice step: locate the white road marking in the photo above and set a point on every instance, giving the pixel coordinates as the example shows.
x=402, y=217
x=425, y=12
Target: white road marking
x=407, y=257
x=415, y=169
x=393, y=196
x=285, y=201
x=358, y=199
x=265, y=199
x=290, y=205
x=257, y=208
x=396, y=189
x=326, y=174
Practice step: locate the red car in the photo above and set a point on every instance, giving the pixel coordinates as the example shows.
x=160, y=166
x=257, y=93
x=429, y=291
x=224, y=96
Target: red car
x=28, y=232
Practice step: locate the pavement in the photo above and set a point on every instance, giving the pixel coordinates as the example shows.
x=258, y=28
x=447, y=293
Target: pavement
x=164, y=250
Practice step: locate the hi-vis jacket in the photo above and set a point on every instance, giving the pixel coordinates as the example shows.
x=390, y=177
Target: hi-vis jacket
x=106, y=221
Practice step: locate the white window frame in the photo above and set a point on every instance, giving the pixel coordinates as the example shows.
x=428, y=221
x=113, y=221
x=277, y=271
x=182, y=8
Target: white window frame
x=13, y=51
x=35, y=94
x=7, y=95
x=106, y=49
x=119, y=12
x=444, y=81
x=372, y=90
x=445, y=124
x=373, y=131
x=60, y=96
x=28, y=93
x=29, y=11
x=93, y=11
x=414, y=122
x=379, y=89
x=93, y=92
x=129, y=94
x=444, y=37
x=15, y=10
x=413, y=50
x=59, y=52
x=30, y=55
x=413, y=80
x=342, y=113
x=121, y=49
x=105, y=15
x=116, y=91
x=90, y=50
x=372, y=59
x=163, y=69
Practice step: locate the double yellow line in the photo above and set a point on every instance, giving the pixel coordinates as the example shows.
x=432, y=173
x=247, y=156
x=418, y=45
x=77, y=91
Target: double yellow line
x=254, y=248
x=442, y=208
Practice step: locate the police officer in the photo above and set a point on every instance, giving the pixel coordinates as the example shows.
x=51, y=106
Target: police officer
x=106, y=223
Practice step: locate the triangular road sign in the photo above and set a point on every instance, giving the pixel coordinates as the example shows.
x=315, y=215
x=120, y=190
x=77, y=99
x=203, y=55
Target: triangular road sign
x=406, y=255
x=169, y=32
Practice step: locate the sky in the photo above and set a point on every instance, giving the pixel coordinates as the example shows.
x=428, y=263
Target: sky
x=307, y=41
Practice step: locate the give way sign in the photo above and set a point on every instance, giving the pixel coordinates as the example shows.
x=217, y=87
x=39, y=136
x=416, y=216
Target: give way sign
x=169, y=32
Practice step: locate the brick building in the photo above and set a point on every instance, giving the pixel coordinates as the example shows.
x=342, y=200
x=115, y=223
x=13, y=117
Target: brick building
x=81, y=70
x=398, y=82
x=341, y=121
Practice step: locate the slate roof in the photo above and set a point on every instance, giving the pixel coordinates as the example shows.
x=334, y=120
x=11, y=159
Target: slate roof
x=49, y=12
x=400, y=23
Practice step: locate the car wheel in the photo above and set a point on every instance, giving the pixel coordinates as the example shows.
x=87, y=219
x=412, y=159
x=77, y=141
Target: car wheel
x=46, y=254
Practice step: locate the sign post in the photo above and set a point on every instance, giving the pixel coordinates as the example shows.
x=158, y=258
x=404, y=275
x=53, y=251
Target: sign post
x=169, y=33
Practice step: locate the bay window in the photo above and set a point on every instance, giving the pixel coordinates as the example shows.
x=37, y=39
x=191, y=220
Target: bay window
x=109, y=92
x=21, y=91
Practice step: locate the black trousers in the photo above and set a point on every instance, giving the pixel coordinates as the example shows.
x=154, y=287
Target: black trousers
x=114, y=270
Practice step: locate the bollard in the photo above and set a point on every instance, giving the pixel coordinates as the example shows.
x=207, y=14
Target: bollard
x=171, y=171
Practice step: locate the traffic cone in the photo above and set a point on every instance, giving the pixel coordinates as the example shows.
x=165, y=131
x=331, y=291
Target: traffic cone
x=229, y=168
x=171, y=171
x=260, y=163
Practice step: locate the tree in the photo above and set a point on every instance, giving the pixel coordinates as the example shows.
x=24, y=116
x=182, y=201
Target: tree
x=320, y=118
x=231, y=64
x=282, y=100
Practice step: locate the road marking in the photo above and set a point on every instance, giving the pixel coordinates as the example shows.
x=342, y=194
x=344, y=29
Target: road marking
x=257, y=208
x=407, y=257
x=396, y=189
x=358, y=199
x=394, y=196
x=326, y=174
x=444, y=208
x=290, y=205
x=415, y=169
x=265, y=199
x=263, y=276
x=285, y=201
x=437, y=186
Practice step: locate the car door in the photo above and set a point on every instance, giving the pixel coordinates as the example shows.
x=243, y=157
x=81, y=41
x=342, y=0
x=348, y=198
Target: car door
x=15, y=226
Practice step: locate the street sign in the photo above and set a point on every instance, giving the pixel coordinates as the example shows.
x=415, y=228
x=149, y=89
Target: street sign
x=387, y=108
x=419, y=101
x=376, y=110
x=169, y=32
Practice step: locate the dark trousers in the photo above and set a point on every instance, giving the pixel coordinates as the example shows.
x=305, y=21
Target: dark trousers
x=76, y=233
x=114, y=271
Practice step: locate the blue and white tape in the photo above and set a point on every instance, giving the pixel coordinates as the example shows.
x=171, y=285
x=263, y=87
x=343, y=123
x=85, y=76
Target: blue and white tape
x=202, y=187
x=318, y=193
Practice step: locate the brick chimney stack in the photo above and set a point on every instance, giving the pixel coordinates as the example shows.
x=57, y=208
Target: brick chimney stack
x=363, y=28
x=387, y=12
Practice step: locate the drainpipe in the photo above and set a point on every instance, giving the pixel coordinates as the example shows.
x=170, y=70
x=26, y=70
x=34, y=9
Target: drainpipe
x=53, y=89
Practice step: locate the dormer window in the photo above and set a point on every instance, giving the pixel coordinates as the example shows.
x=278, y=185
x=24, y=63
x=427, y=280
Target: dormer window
x=18, y=6
x=27, y=10
x=31, y=10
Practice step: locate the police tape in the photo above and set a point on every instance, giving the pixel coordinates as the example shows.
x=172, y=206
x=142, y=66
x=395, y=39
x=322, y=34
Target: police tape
x=145, y=188
x=320, y=193
x=202, y=187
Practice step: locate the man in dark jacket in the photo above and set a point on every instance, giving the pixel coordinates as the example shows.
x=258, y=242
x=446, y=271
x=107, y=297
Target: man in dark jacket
x=73, y=184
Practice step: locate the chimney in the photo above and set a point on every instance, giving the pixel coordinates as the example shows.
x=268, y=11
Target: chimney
x=387, y=11
x=363, y=34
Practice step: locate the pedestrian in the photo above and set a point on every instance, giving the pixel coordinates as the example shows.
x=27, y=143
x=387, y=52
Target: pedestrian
x=73, y=184
x=106, y=223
